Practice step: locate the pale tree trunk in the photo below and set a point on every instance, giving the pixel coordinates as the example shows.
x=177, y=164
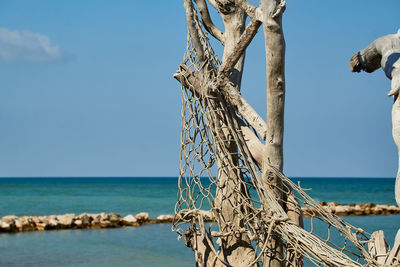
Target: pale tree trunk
x=275, y=73
x=235, y=250
x=238, y=250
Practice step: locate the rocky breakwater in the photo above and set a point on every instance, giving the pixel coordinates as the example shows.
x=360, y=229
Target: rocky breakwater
x=353, y=209
x=13, y=223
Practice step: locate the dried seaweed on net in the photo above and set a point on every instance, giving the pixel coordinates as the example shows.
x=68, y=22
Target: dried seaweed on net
x=208, y=127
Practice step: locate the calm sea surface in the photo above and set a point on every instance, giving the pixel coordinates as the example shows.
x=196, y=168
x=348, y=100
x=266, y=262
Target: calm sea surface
x=153, y=245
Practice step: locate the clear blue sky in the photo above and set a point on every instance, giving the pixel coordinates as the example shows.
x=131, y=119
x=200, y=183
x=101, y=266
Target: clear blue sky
x=86, y=88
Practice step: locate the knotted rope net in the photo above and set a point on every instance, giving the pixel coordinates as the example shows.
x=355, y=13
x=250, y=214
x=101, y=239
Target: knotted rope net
x=220, y=182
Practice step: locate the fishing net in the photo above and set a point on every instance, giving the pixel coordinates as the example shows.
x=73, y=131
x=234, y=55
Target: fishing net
x=220, y=182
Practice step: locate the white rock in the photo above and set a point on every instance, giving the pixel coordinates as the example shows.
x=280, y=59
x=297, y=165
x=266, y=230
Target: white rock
x=4, y=225
x=40, y=226
x=167, y=218
x=341, y=209
x=53, y=222
x=9, y=219
x=66, y=219
x=35, y=219
x=105, y=223
x=18, y=223
x=104, y=216
x=129, y=218
x=43, y=219
x=143, y=216
x=393, y=208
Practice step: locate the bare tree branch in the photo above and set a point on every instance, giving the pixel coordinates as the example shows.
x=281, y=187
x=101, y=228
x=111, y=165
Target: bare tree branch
x=256, y=147
x=279, y=9
x=222, y=93
x=190, y=80
x=244, y=41
x=194, y=35
x=207, y=22
x=236, y=99
x=246, y=7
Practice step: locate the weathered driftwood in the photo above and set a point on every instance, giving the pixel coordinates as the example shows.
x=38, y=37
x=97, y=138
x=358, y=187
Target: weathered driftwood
x=393, y=258
x=384, y=52
x=207, y=22
x=188, y=4
x=227, y=67
x=379, y=250
x=377, y=247
x=237, y=249
x=275, y=66
x=246, y=7
x=228, y=115
x=233, y=247
x=191, y=80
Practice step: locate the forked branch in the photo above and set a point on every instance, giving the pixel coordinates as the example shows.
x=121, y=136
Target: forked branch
x=191, y=80
x=246, y=7
x=207, y=22
x=244, y=41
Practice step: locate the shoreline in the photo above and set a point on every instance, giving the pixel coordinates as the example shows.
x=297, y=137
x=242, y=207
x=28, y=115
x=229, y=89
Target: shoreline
x=352, y=209
x=15, y=224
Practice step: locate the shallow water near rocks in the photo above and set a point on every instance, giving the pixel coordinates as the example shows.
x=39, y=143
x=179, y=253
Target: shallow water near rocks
x=150, y=245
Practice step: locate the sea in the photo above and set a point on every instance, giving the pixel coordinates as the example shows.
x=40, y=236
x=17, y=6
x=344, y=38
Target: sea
x=150, y=245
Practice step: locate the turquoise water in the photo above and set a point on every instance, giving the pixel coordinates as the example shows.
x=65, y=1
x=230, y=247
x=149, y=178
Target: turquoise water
x=45, y=196
x=152, y=245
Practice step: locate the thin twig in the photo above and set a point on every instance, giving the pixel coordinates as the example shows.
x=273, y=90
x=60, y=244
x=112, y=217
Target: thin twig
x=207, y=22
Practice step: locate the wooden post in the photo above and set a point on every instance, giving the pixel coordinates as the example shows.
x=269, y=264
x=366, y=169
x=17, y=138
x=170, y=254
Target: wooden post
x=394, y=256
x=237, y=250
x=275, y=69
x=377, y=248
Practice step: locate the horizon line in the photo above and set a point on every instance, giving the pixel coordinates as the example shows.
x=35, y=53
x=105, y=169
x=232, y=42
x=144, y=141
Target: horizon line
x=93, y=177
